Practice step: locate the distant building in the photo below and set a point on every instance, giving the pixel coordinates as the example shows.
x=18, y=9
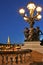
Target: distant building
x=8, y=46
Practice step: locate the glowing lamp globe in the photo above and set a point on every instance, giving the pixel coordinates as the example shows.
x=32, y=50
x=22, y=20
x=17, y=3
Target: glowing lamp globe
x=39, y=17
x=31, y=6
x=38, y=9
x=22, y=11
x=26, y=18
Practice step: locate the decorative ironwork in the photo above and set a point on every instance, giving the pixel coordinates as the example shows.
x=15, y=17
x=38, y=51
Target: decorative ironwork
x=32, y=34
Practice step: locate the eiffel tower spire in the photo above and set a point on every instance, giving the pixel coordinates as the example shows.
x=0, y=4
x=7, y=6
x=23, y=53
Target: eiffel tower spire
x=8, y=42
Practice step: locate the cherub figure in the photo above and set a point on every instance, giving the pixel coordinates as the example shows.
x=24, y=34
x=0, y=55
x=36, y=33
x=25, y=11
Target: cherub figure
x=38, y=31
x=26, y=33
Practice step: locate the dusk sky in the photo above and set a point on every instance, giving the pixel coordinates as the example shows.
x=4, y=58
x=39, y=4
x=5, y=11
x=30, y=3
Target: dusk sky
x=12, y=23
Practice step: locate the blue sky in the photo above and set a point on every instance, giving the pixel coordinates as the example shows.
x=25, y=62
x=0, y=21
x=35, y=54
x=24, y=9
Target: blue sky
x=11, y=22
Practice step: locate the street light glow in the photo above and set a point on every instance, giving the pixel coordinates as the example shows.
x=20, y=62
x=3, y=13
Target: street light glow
x=31, y=6
x=26, y=18
x=25, y=14
x=39, y=17
x=22, y=11
x=38, y=9
x=31, y=17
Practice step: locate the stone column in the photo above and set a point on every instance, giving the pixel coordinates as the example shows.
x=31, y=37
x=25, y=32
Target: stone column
x=24, y=58
x=11, y=60
x=16, y=58
x=20, y=58
x=6, y=59
x=2, y=59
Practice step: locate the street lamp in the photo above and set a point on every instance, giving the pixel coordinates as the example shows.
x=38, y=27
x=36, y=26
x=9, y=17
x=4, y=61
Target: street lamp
x=34, y=14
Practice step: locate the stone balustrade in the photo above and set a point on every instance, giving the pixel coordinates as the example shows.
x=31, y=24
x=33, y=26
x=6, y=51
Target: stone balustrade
x=15, y=57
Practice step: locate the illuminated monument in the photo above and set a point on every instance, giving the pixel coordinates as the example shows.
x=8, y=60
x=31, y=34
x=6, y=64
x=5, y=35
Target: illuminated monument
x=32, y=35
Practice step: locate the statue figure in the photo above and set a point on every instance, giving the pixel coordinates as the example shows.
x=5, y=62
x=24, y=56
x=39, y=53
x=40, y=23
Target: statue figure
x=26, y=33
x=38, y=31
x=32, y=34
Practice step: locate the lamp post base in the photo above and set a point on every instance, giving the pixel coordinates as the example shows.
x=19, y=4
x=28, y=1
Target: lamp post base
x=34, y=45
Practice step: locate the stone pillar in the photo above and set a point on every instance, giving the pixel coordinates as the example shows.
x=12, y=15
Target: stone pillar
x=24, y=58
x=11, y=60
x=20, y=58
x=6, y=59
x=2, y=59
x=16, y=58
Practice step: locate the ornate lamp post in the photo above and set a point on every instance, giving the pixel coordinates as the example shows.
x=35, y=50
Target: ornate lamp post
x=31, y=34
